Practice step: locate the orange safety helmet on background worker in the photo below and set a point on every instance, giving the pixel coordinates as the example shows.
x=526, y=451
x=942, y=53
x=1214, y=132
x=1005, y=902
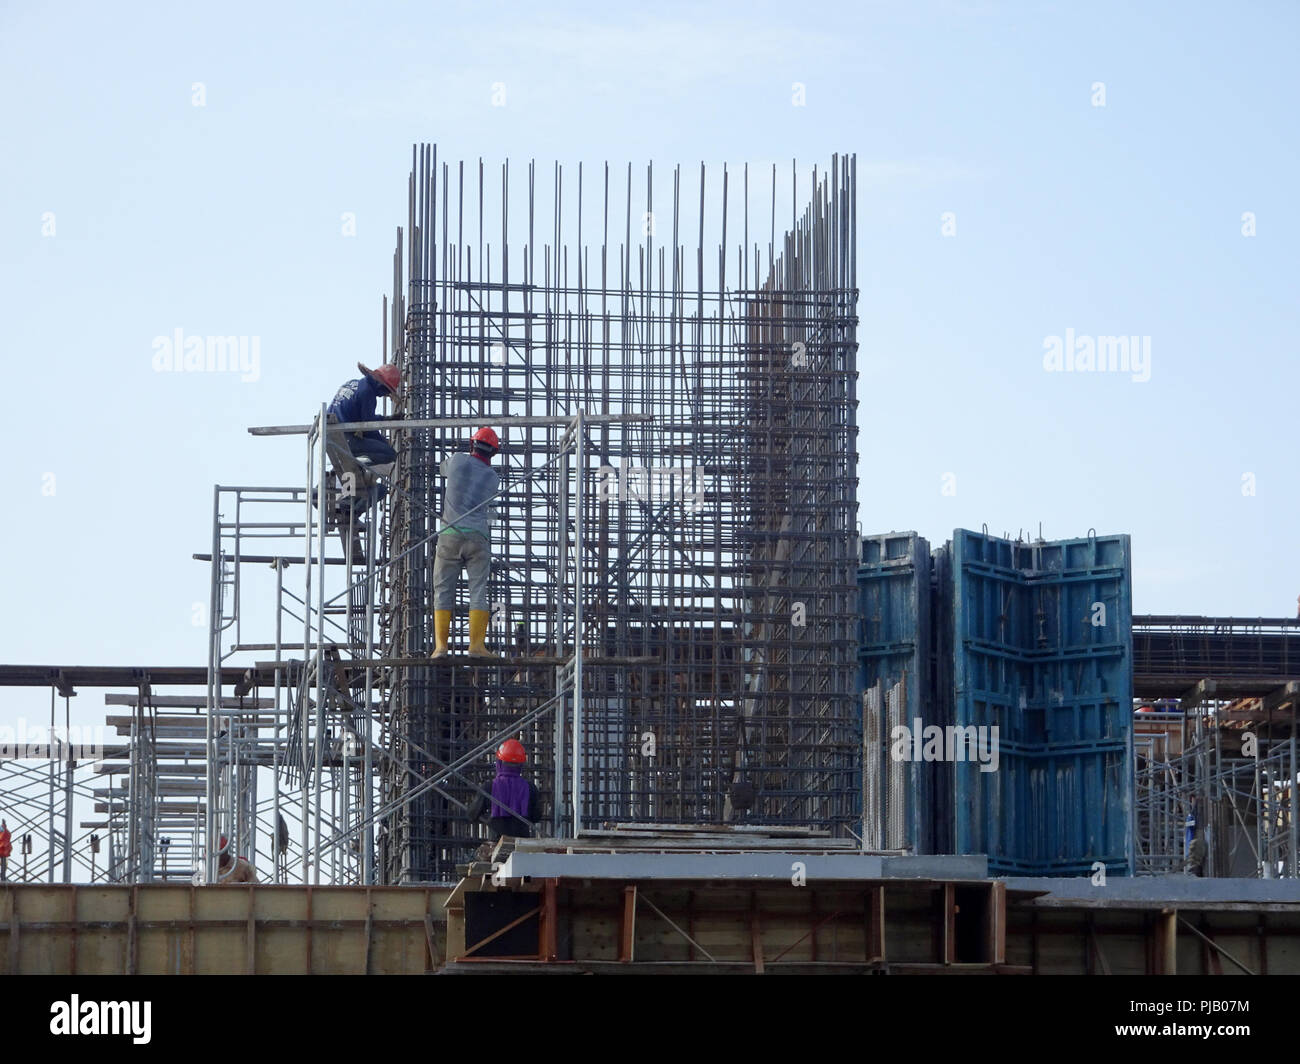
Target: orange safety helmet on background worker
x=488, y=437
x=512, y=750
x=516, y=803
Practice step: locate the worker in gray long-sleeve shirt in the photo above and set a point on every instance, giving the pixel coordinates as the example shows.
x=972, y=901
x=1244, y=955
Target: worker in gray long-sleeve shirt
x=463, y=541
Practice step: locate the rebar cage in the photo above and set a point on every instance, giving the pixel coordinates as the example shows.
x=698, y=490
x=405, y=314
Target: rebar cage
x=717, y=522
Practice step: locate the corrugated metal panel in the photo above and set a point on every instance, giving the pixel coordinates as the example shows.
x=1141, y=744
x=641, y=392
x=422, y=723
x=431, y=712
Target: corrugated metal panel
x=1042, y=636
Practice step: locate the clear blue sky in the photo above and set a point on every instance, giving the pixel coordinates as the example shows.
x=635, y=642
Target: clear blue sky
x=225, y=219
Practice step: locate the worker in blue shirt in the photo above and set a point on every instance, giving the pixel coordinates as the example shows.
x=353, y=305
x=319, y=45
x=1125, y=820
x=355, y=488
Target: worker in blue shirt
x=463, y=541
x=356, y=401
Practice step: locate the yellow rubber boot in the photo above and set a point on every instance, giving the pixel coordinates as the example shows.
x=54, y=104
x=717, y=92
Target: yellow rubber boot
x=441, y=630
x=478, y=622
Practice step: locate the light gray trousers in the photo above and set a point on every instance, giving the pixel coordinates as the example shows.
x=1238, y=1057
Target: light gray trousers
x=453, y=552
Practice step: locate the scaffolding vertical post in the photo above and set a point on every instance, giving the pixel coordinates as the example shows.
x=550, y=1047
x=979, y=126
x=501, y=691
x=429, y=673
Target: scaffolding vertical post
x=278, y=859
x=68, y=766
x=557, y=779
x=368, y=708
x=1291, y=820
x=578, y=591
x=1263, y=806
x=563, y=673
x=319, y=655
x=52, y=763
x=213, y=699
x=309, y=534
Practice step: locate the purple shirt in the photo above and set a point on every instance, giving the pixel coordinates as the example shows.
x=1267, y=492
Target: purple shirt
x=510, y=791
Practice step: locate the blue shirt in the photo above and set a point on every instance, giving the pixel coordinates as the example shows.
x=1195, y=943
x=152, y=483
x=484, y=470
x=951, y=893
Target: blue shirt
x=356, y=400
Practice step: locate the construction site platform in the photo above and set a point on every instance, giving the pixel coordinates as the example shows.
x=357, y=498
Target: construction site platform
x=778, y=861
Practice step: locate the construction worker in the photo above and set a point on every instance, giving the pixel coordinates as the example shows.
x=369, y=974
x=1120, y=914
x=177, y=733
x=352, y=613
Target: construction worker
x=463, y=541
x=236, y=871
x=1194, y=841
x=1197, y=852
x=516, y=803
x=6, y=848
x=356, y=401
x=359, y=456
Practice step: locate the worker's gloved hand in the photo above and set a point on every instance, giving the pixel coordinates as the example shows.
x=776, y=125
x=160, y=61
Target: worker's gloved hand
x=477, y=807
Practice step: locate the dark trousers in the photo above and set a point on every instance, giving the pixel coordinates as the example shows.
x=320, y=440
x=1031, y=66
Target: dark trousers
x=372, y=445
x=512, y=826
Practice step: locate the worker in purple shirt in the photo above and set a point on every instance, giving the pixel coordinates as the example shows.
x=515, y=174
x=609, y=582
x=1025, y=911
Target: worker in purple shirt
x=516, y=803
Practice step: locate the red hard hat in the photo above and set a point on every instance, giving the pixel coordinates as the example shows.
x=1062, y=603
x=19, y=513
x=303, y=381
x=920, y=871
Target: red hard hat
x=388, y=375
x=512, y=750
x=486, y=435
x=221, y=845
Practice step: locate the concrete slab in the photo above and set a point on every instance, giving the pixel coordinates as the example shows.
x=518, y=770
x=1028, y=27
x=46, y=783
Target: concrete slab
x=758, y=866
x=1146, y=892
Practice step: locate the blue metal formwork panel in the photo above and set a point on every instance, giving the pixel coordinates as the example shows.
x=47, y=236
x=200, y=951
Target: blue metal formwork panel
x=1083, y=705
x=893, y=686
x=1084, y=619
x=992, y=679
x=1043, y=650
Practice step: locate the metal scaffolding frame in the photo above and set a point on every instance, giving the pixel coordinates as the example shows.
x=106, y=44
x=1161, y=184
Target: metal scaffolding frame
x=47, y=776
x=1205, y=684
x=328, y=722
x=38, y=782
x=1230, y=761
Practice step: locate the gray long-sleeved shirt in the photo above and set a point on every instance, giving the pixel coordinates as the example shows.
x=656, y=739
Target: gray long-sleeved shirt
x=471, y=482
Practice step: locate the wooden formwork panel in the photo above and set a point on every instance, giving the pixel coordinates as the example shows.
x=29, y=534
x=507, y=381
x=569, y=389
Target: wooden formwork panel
x=91, y=936
x=170, y=929
x=665, y=924
x=1059, y=940
x=909, y=926
x=775, y=925
x=655, y=922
